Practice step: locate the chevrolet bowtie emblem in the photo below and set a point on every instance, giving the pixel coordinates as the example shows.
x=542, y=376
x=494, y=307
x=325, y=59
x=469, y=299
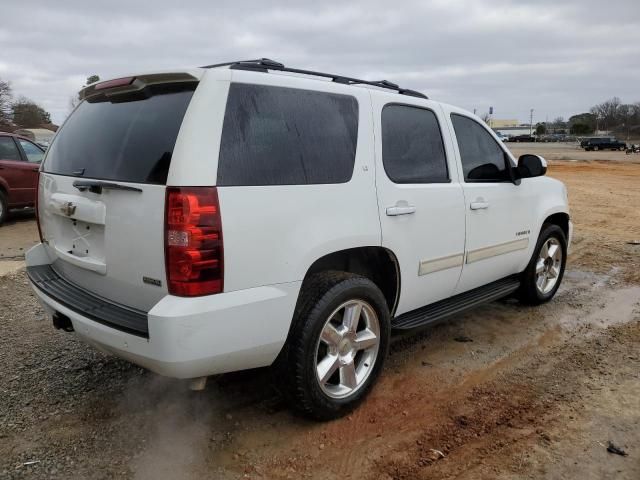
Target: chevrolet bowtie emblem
x=68, y=209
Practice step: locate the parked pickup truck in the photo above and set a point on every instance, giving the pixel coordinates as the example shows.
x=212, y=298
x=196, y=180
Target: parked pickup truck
x=19, y=163
x=247, y=214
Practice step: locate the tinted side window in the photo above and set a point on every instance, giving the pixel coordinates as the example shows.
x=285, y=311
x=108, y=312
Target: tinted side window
x=412, y=147
x=8, y=149
x=482, y=158
x=287, y=136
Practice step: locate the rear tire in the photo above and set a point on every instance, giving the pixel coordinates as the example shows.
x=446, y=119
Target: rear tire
x=542, y=277
x=4, y=207
x=337, y=345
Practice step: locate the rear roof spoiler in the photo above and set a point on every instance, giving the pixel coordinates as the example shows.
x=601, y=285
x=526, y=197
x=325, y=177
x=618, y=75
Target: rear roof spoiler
x=119, y=86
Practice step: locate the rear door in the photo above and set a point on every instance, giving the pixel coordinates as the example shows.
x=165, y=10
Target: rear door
x=421, y=205
x=33, y=155
x=102, y=192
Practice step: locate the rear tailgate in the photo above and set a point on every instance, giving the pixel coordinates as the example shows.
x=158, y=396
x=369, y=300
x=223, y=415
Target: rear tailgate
x=102, y=190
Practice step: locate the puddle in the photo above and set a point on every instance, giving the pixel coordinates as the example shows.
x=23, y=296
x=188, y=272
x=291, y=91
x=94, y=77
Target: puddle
x=613, y=307
x=594, y=279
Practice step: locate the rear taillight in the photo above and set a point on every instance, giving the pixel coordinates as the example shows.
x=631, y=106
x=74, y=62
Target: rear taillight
x=37, y=212
x=193, y=241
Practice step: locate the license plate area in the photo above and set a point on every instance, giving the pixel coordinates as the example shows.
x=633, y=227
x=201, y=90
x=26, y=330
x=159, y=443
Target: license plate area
x=81, y=239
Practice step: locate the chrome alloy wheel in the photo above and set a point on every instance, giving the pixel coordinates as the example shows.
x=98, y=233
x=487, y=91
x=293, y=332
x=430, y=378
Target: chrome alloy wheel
x=548, y=265
x=347, y=349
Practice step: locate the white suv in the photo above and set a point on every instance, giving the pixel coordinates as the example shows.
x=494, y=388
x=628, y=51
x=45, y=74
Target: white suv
x=248, y=214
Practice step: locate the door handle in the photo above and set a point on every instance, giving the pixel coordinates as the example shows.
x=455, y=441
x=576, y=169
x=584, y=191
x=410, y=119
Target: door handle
x=479, y=205
x=401, y=209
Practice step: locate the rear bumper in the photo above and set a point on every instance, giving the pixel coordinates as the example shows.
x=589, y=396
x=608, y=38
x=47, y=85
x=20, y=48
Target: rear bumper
x=193, y=337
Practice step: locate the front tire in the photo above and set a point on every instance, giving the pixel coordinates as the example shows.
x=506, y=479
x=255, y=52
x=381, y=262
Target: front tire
x=4, y=207
x=337, y=344
x=542, y=277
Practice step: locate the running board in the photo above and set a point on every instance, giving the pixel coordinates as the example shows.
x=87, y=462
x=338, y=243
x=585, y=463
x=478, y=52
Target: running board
x=459, y=303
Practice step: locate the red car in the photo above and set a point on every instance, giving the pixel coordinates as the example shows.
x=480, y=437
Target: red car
x=20, y=160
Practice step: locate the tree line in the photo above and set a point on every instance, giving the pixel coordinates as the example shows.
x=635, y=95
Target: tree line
x=20, y=112
x=25, y=113
x=623, y=119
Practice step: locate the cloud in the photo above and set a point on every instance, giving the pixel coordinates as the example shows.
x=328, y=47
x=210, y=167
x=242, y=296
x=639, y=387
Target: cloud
x=557, y=57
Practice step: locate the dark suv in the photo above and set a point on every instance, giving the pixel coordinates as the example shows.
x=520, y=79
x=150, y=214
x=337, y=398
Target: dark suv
x=602, y=143
x=20, y=160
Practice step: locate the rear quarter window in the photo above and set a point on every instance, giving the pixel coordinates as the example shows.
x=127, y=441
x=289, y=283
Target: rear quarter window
x=285, y=136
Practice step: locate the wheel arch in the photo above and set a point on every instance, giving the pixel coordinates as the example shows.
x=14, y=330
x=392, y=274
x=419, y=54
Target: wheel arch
x=4, y=187
x=376, y=263
x=560, y=219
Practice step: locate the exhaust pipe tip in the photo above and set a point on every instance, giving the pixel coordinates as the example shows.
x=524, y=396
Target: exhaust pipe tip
x=62, y=322
x=197, y=384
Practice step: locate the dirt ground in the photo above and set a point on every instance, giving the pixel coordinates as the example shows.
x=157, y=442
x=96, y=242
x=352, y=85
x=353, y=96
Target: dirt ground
x=537, y=393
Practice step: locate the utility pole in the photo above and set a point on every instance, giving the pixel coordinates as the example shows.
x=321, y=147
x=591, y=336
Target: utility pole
x=531, y=122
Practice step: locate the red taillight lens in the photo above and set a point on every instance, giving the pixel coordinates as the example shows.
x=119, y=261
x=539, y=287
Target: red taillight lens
x=193, y=241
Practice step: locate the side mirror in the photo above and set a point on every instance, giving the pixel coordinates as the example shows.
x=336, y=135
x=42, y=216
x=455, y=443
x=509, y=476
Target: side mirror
x=531, y=166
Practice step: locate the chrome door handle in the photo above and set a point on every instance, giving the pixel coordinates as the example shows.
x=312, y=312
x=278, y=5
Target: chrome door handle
x=479, y=205
x=401, y=210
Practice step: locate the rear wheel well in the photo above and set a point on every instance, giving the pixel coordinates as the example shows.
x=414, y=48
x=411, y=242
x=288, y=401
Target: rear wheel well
x=375, y=263
x=560, y=219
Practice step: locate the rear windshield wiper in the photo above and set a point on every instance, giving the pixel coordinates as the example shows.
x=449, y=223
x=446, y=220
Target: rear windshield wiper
x=96, y=186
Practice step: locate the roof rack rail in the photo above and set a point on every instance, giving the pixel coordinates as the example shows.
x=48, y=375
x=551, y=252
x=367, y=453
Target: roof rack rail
x=266, y=64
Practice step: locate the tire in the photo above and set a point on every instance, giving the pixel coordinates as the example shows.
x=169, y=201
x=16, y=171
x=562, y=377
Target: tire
x=596, y=148
x=319, y=329
x=4, y=207
x=533, y=291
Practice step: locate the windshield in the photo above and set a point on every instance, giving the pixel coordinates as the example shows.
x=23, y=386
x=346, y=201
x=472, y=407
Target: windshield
x=130, y=140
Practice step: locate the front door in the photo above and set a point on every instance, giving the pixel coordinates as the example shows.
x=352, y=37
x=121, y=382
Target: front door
x=499, y=213
x=420, y=200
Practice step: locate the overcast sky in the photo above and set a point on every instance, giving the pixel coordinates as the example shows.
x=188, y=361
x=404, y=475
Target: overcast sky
x=556, y=56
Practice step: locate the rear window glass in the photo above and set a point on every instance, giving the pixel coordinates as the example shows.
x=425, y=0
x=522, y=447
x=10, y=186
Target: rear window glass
x=286, y=136
x=129, y=141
